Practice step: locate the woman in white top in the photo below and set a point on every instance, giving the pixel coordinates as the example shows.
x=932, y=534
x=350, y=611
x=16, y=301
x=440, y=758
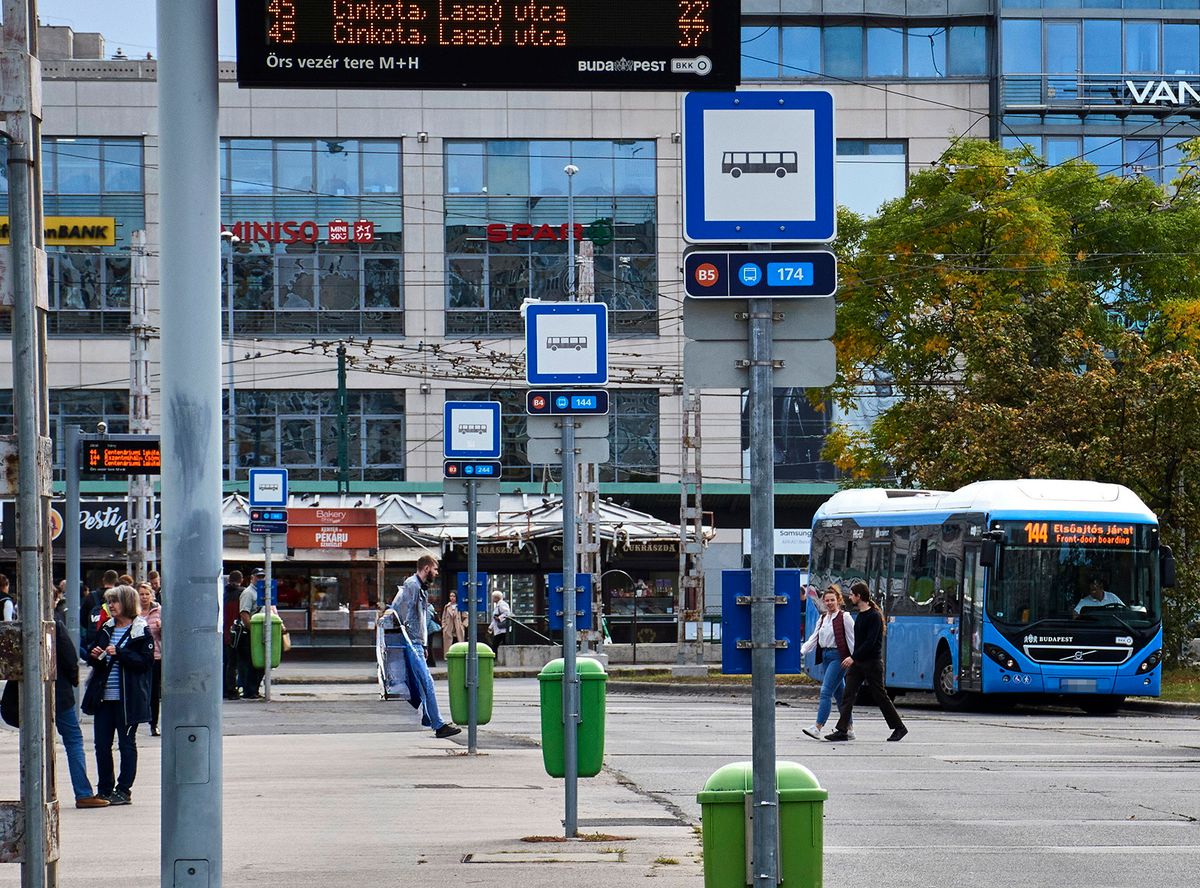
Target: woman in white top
x=499, y=625
x=834, y=640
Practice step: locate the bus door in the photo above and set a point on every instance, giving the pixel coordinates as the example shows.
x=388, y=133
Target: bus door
x=970, y=628
x=879, y=562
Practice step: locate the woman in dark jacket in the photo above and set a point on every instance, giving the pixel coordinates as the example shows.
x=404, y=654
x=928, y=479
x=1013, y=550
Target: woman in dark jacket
x=122, y=655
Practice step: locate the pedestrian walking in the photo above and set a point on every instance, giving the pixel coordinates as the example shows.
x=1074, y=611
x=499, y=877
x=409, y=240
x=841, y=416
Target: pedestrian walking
x=865, y=666
x=249, y=676
x=121, y=660
x=230, y=632
x=66, y=719
x=152, y=611
x=410, y=605
x=155, y=581
x=833, y=640
x=452, y=625
x=8, y=602
x=499, y=625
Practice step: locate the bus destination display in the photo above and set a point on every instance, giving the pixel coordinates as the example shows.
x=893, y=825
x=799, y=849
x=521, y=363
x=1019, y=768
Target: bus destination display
x=121, y=458
x=489, y=44
x=1090, y=534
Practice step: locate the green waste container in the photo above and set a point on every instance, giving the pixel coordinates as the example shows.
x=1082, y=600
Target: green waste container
x=724, y=805
x=456, y=675
x=256, y=640
x=590, y=736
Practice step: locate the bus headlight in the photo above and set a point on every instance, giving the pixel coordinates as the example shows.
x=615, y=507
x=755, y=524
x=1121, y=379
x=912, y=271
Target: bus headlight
x=1001, y=656
x=1151, y=661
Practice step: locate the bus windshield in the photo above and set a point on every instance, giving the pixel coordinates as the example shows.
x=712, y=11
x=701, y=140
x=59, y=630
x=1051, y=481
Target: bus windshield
x=1095, y=573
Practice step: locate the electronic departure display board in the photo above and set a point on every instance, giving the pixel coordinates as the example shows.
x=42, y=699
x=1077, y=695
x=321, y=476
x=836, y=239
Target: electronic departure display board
x=489, y=44
x=117, y=457
x=1090, y=534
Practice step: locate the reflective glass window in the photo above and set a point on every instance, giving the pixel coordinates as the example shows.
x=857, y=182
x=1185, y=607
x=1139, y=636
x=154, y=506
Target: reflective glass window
x=1141, y=47
x=968, y=51
x=1145, y=4
x=122, y=166
x=380, y=167
x=801, y=52
x=1143, y=154
x=869, y=173
x=634, y=167
x=1060, y=149
x=885, y=52
x=507, y=168
x=1102, y=47
x=337, y=167
x=78, y=166
x=1172, y=158
x=1181, y=49
x=464, y=167
x=294, y=166
x=1033, y=143
x=760, y=52
x=1062, y=47
x=1104, y=152
x=546, y=163
x=250, y=166
x=1061, y=4
x=1101, y=4
x=926, y=52
x=843, y=51
x=594, y=159
x=1022, y=40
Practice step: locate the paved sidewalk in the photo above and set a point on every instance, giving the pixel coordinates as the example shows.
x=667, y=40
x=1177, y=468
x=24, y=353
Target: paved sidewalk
x=369, y=799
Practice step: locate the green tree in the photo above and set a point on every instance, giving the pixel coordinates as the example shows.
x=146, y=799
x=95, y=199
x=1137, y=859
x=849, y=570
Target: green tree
x=1030, y=322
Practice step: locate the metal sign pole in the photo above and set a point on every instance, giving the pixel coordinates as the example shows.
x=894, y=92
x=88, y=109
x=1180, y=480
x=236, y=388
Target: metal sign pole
x=268, y=623
x=570, y=678
x=472, y=609
x=762, y=596
x=71, y=531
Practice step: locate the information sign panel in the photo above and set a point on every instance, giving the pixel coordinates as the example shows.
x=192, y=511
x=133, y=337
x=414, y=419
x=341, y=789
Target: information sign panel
x=489, y=44
x=130, y=455
x=268, y=487
x=566, y=343
x=586, y=402
x=471, y=468
x=471, y=430
x=745, y=274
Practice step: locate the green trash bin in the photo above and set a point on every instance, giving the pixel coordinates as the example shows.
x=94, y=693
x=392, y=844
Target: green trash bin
x=724, y=806
x=256, y=640
x=456, y=676
x=590, y=735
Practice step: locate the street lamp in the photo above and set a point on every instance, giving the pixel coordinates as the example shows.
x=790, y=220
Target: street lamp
x=570, y=169
x=233, y=240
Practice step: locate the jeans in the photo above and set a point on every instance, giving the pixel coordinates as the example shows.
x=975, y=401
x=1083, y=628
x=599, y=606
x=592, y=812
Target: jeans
x=155, y=692
x=425, y=686
x=67, y=723
x=831, y=685
x=110, y=720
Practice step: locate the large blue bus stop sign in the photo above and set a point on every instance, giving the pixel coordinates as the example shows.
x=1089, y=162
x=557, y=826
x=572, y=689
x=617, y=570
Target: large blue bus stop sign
x=758, y=166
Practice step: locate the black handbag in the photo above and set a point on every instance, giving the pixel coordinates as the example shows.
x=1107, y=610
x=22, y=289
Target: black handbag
x=93, y=694
x=10, y=703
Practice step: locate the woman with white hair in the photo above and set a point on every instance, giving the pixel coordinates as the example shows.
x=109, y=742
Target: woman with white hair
x=499, y=625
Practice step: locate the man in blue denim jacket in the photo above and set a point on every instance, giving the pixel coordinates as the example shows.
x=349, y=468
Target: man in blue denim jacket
x=411, y=605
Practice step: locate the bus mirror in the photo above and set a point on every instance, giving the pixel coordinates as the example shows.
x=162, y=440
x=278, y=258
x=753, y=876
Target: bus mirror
x=987, y=552
x=1166, y=567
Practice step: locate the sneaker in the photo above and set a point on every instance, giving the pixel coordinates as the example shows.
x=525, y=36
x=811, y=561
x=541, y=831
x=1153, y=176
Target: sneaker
x=92, y=802
x=849, y=733
x=837, y=736
x=116, y=797
x=813, y=731
x=898, y=734
x=447, y=730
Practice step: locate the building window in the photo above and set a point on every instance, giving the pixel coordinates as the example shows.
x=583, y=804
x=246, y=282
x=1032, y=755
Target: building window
x=506, y=235
x=298, y=430
x=850, y=50
x=88, y=286
x=315, y=249
x=870, y=173
x=800, y=431
x=633, y=434
x=74, y=407
x=1158, y=159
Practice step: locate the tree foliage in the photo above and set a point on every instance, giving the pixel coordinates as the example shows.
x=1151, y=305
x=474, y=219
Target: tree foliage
x=1029, y=322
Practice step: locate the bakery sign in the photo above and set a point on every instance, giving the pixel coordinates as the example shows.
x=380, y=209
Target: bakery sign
x=333, y=529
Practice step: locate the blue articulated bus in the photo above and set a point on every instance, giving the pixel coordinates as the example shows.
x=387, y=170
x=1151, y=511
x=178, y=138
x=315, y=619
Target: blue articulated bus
x=1024, y=587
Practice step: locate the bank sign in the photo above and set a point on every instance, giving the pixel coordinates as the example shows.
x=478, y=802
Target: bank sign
x=72, y=231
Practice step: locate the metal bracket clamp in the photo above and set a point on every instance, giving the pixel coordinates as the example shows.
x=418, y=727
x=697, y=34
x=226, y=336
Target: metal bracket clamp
x=750, y=599
x=746, y=316
x=779, y=644
x=743, y=364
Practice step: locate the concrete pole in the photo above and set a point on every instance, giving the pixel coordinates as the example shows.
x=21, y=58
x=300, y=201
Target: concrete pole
x=71, y=531
x=472, y=630
x=762, y=596
x=191, y=443
x=570, y=674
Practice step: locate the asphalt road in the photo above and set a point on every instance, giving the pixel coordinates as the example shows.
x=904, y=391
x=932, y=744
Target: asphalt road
x=1033, y=797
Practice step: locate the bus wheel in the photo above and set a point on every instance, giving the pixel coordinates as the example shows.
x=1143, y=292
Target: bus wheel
x=735, y=172
x=781, y=172
x=1105, y=704
x=943, y=686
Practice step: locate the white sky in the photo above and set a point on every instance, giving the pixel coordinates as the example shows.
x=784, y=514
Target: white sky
x=128, y=24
